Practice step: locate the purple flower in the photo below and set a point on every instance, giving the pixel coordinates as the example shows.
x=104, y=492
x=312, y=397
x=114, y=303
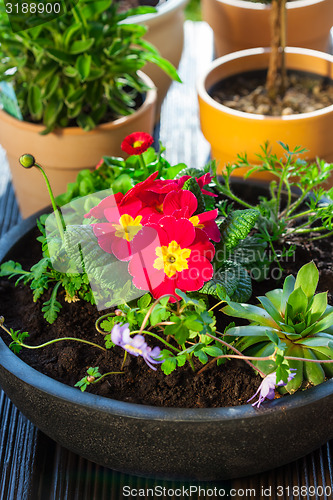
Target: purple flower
x=267, y=387
x=120, y=335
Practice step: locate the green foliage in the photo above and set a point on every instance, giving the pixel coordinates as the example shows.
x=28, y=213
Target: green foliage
x=178, y=327
x=285, y=214
x=90, y=378
x=119, y=174
x=80, y=68
x=288, y=322
x=192, y=185
x=17, y=339
x=234, y=255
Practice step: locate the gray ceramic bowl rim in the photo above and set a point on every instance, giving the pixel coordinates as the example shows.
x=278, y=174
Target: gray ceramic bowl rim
x=30, y=376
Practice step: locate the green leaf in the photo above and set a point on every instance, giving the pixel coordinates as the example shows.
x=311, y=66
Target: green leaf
x=295, y=383
x=144, y=301
x=249, y=312
x=61, y=56
x=83, y=64
x=169, y=365
x=70, y=72
x=307, y=278
x=80, y=46
x=35, y=102
x=236, y=227
x=233, y=280
x=313, y=372
x=213, y=351
x=249, y=331
x=270, y=309
x=318, y=307
x=164, y=64
x=288, y=287
x=51, y=86
x=192, y=185
x=52, y=307
x=298, y=301
x=201, y=355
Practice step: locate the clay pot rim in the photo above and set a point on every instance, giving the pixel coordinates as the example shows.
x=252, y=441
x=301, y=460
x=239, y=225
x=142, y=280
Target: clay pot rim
x=247, y=5
x=151, y=96
x=248, y=53
x=28, y=375
x=166, y=8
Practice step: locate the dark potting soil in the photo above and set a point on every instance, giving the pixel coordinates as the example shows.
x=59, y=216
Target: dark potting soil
x=246, y=92
x=231, y=384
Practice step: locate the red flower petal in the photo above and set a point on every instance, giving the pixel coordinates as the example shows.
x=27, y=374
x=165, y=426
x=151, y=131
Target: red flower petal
x=202, y=246
x=137, y=143
x=180, y=230
x=199, y=272
x=176, y=200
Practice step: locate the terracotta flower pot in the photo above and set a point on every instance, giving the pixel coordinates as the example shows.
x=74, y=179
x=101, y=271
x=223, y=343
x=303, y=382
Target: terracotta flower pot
x=191, y=443
x=166, y=33
x=239, y=24
x=231, y=132
x=65, y=152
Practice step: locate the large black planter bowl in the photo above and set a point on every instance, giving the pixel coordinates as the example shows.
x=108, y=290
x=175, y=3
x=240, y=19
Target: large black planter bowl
x=207, y=444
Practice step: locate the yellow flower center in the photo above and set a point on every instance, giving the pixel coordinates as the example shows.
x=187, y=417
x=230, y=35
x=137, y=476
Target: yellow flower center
x=132, y=349
x=128, y=227
x=171, y=258
x=137, y=144
x=196, y=222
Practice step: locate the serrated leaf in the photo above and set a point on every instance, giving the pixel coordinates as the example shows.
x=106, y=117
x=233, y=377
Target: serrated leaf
x=236, y=227
x=234, y=282
x=169, y=365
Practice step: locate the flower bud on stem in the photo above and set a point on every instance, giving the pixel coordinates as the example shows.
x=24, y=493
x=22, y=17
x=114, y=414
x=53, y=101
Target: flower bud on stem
x=28, y=161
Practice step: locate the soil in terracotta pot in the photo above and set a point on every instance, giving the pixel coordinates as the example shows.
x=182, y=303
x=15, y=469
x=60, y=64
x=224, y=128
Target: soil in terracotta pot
x=246, y=92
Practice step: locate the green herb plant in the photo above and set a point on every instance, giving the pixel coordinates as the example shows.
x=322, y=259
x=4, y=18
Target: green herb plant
x=80, y=69
x=298, y=204
x=292, y=324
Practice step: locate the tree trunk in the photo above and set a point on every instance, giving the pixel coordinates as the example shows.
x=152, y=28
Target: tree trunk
x=276, y=76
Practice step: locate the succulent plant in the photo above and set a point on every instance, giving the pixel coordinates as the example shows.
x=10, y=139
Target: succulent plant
x=301, y=322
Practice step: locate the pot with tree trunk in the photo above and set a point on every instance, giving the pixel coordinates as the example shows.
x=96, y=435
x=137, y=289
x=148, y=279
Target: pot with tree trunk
x=245, y=24
x=79, y=90
x=171, y=256
x=231, y=130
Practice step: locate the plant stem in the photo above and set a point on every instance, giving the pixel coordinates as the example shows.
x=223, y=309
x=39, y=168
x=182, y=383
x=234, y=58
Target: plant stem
x=143, y=166
x=54, y=205
x=150, y=310
x=125, y=356
x=216, y=305
x=236, y=351
x=105, y=375
x=156, y=337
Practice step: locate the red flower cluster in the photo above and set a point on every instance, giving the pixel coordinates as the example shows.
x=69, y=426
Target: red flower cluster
x=153, y=226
